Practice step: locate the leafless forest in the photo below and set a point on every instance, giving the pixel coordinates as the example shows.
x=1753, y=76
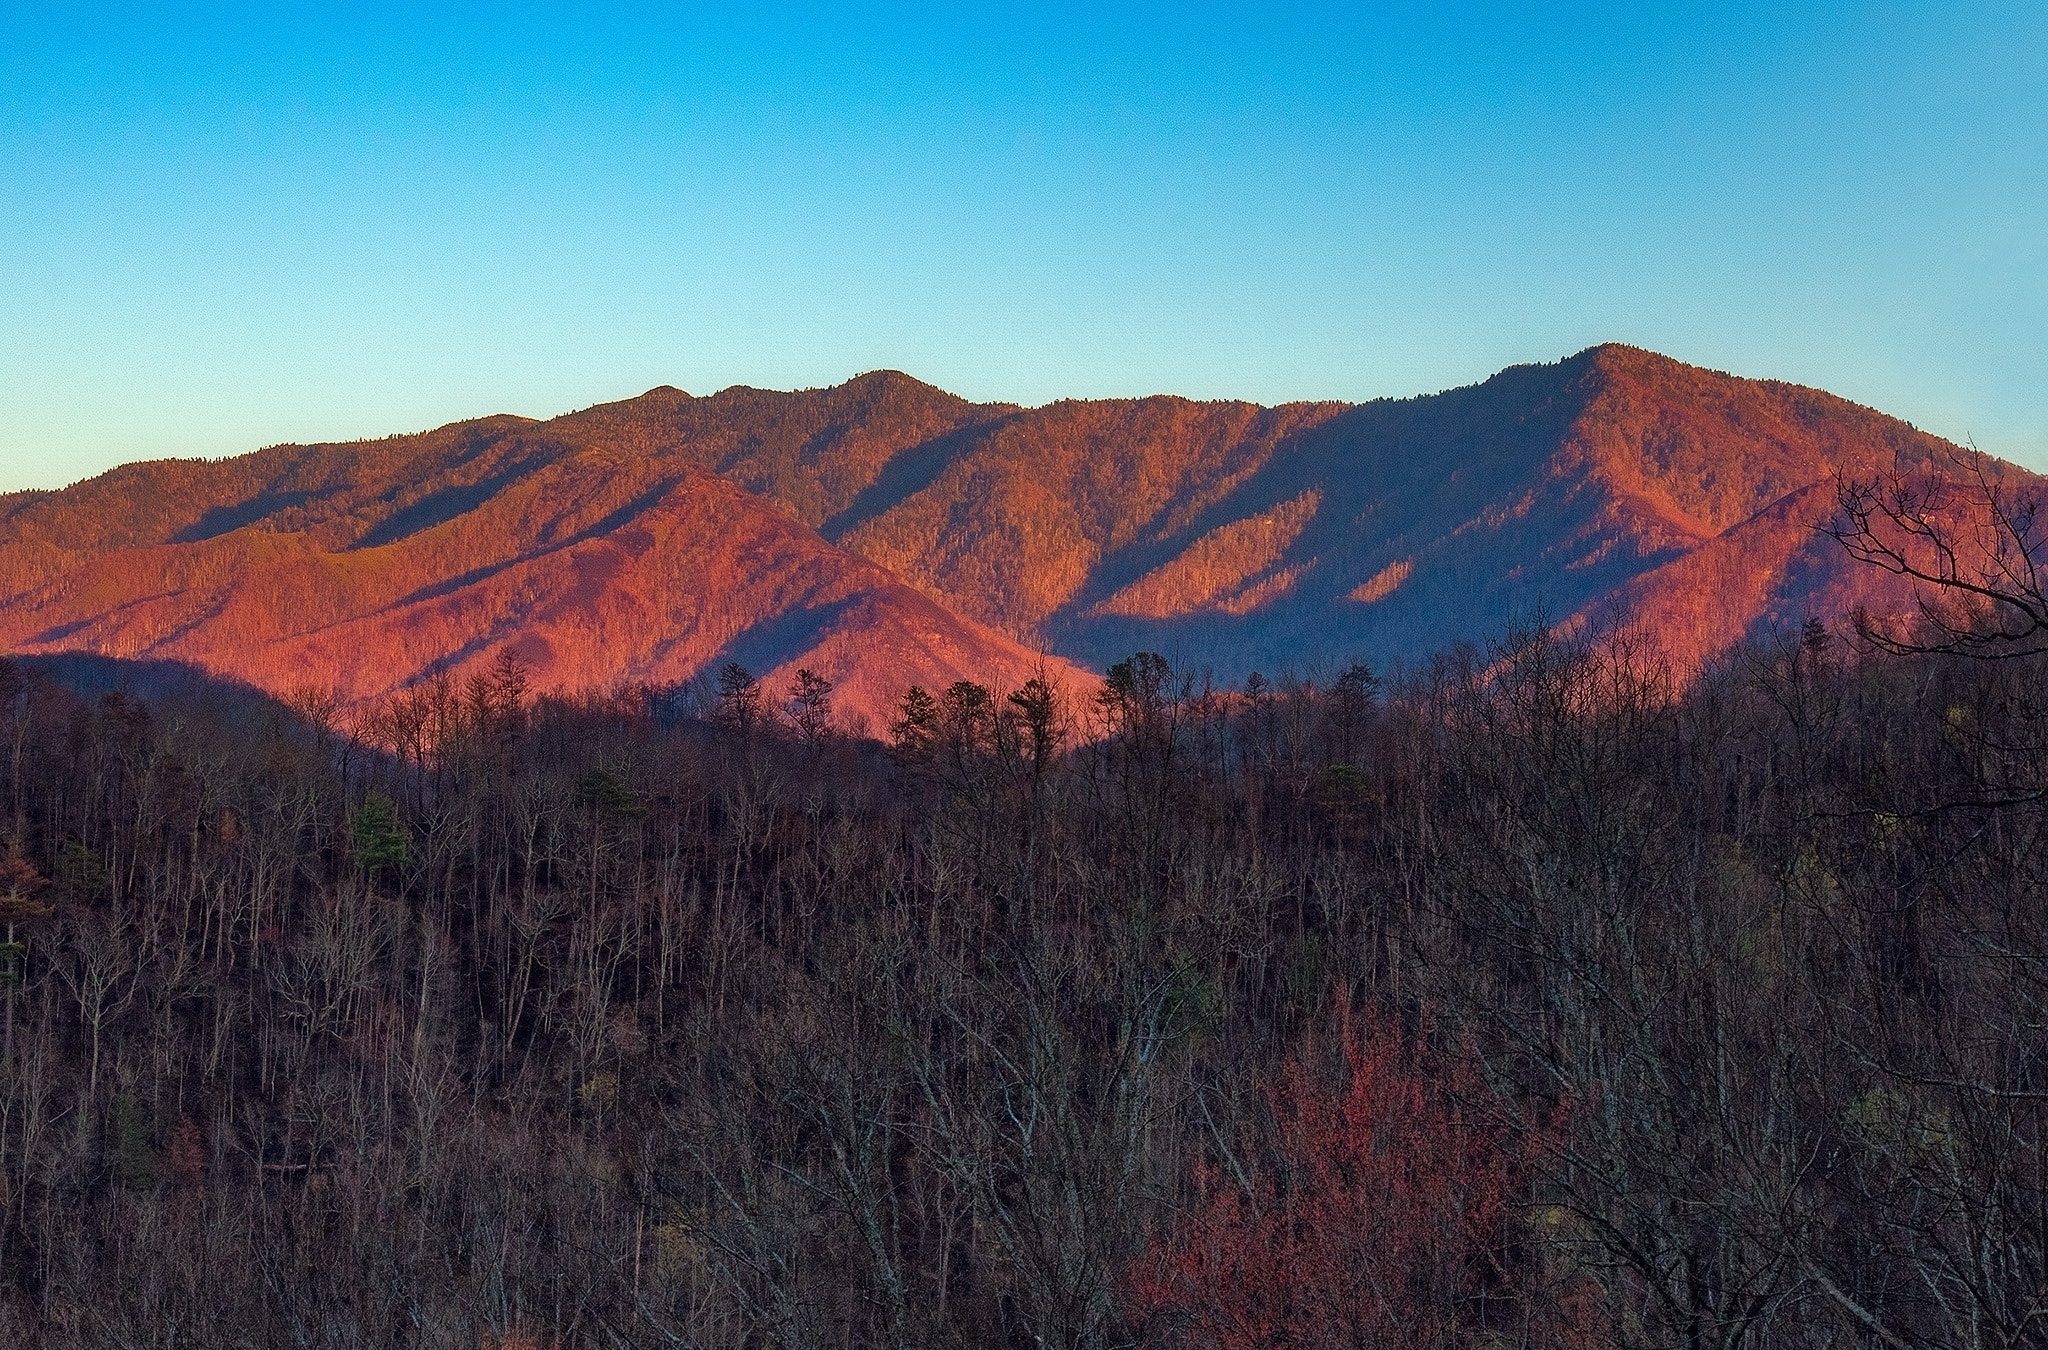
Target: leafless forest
x=1528, y=999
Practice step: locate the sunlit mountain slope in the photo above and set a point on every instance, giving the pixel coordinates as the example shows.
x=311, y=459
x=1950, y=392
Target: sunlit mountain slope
x=885, y=532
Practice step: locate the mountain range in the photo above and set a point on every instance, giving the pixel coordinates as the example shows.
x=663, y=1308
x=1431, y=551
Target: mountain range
x=883, y=532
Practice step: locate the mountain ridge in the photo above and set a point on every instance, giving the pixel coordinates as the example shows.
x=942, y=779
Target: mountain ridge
x=884, y=531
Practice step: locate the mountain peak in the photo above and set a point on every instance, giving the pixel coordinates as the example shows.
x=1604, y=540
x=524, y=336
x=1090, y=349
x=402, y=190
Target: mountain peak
x=892, y=380
x=1620, y=360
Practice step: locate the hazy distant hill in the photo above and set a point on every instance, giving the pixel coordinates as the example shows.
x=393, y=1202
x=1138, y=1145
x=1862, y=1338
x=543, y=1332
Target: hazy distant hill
x=885, y=532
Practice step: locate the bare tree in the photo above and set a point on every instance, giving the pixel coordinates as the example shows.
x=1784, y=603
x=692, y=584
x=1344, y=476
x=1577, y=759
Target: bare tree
x=1971, y=542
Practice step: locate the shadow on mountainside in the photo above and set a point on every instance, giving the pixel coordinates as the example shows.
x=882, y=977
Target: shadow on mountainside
x=907, y=474
x=92, y=676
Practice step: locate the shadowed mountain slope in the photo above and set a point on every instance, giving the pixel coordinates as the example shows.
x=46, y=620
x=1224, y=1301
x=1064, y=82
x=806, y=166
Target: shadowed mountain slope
x=884, y=532
x=1555, y=489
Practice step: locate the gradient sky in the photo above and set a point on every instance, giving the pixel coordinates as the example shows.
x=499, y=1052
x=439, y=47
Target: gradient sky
x=224, y=229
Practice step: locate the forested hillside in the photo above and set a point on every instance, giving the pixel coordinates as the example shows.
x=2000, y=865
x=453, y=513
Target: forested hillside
x=883, y=533
x=1537, y=999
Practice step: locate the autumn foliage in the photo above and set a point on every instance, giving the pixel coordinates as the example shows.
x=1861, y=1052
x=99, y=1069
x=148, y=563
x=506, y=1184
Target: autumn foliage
x=1385, y=1213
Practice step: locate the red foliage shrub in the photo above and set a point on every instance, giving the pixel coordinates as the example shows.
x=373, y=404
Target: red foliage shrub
x=1385, y=1217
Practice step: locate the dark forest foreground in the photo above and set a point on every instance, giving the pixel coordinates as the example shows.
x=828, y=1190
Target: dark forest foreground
x=1533, y=1001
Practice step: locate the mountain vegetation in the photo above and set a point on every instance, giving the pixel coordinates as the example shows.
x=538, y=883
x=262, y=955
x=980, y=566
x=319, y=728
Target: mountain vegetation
x=884, y=533
x=1535, y=999
x=665, y=877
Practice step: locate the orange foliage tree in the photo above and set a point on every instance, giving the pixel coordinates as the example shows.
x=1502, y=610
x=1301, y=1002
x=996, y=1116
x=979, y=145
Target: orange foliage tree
x=1386, y=1216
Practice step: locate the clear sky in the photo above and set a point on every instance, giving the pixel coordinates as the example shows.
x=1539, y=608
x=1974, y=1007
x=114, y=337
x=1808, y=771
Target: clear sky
x=223, y=229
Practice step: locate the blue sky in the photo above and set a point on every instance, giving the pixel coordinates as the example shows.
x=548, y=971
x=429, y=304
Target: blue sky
x=224, y=229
